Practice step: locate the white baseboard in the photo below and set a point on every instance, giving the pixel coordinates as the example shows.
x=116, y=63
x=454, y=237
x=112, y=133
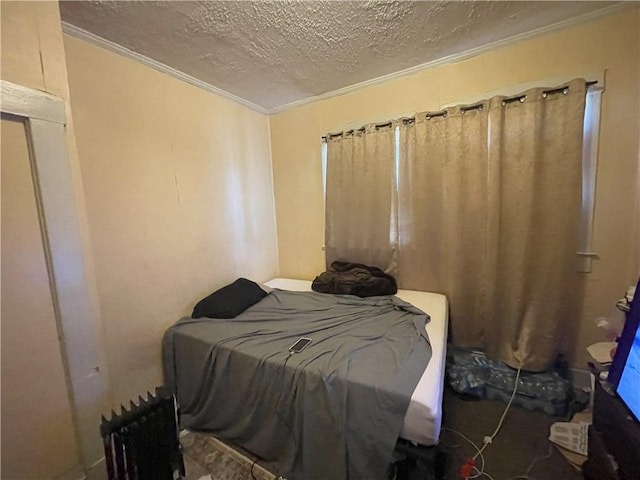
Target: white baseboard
x=97, y=471
x=76, y=473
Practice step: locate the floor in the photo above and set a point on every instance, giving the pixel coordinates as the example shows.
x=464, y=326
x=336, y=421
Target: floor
x=522, y=439
x=205, y=456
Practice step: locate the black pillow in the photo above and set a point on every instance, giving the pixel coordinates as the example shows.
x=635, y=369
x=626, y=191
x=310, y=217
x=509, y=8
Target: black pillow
x=229, y=301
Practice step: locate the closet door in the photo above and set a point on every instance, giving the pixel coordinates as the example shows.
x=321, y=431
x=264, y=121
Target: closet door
x=38, y=437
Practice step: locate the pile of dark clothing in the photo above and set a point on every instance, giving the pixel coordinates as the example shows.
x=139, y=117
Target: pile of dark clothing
x=345, y=278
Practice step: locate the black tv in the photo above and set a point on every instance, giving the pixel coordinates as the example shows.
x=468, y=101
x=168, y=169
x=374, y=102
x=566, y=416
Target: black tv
x=624, y=374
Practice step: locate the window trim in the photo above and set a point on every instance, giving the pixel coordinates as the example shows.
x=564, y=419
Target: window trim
x=590, y=142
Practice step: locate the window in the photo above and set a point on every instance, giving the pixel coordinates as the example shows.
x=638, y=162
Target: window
x=591, y=131
x=590, y=136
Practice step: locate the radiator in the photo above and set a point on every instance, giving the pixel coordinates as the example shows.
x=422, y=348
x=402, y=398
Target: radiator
x=142, y=443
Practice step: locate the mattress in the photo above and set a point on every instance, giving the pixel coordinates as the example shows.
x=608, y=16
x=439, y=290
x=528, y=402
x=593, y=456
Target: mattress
x=424, y=416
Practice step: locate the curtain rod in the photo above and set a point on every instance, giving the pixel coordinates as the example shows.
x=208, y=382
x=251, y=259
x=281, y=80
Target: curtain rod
x=443, y=113
x=353, y=131
x=564, y=90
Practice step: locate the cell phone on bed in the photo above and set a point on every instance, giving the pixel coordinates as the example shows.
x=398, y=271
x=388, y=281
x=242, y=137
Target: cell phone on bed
x=300, y=345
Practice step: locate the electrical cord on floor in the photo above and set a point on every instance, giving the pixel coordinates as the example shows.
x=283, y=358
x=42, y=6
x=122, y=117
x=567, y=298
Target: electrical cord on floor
x=479, y=472
x=485, y=474
x=488, y=440
x=477, y=475
x=469, y=470
x=533, y=463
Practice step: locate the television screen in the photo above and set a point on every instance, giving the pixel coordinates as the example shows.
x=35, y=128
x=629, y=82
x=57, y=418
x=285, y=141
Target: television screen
x=624, y=374
x=629, y=384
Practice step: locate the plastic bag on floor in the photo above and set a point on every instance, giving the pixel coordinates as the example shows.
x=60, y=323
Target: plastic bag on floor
x=474, y=374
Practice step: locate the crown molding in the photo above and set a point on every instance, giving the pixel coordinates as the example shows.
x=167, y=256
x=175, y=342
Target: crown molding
x=457, y=57
x=158, y=66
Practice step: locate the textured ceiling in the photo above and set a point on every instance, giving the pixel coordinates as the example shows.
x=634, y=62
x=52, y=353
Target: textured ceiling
x=273, y=53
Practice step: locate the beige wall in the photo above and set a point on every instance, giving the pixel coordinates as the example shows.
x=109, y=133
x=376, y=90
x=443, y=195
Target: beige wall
x=32, y=50
x=179, y=195
x=610, y=43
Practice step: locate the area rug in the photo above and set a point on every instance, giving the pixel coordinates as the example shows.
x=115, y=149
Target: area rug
x=207, y=458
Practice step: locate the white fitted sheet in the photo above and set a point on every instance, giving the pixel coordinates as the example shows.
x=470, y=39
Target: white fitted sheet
x=424, y=416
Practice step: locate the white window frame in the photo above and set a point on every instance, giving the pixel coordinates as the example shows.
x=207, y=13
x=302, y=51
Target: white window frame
x=591, y=135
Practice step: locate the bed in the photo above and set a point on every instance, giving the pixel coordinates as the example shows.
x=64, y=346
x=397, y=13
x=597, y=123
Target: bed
x=232, y=381
x=424, y=416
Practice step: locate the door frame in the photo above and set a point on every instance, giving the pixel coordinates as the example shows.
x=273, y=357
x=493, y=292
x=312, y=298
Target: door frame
x=45, y=119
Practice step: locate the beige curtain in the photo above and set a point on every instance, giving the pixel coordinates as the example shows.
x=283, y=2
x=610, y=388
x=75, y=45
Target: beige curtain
x=442, y=212
x=534, y=200
x=360, y=199
x=488, y=207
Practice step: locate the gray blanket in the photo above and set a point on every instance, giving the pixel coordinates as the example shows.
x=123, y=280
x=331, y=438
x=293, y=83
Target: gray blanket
x=333, y=411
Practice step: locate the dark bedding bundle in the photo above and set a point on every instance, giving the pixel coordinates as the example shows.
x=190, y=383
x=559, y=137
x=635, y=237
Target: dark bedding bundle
x=229, y=301
x=345, y=278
